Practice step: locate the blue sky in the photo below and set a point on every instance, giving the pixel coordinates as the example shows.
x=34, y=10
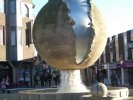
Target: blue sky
x=118, y=14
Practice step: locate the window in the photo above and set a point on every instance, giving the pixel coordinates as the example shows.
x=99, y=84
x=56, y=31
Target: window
x=131, y=35
x=2, y=6
x=28, y=37
x=13, y=38
x=25, y=10
x=13, y=7
x=1, y=35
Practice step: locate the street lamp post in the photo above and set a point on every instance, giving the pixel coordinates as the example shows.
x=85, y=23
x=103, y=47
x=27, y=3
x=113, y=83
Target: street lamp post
x=122, y=73
x=121, y=62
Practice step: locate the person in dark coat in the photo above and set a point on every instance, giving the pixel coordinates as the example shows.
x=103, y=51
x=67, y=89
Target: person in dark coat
x=113, y=78
x=49, y=78
x=42, y=80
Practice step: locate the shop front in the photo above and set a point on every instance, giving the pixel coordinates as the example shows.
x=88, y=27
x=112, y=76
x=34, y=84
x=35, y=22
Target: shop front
x=5, y=71
x=115, y=67
x=24, y=77
x=128, y=72
x=91, y=74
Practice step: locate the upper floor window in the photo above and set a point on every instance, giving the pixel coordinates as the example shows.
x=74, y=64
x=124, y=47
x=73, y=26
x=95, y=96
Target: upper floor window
x=1, y=35
x=13, y=38
x=25, y=10
x=2, y=6
x=12, y=7
x=131, y=35
x=28, y=37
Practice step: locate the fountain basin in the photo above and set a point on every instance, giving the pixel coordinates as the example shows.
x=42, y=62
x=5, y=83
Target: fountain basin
x=118, y=92
x=130, y=98
x=89, y=97
x=114, y=93
x=49, y=94
x=130, y=92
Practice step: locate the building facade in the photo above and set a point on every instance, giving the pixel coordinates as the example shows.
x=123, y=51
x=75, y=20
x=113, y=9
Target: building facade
x=16, y=45
x=118, y=56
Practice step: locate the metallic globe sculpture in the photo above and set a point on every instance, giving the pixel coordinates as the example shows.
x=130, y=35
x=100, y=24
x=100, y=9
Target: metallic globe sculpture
x=69, y=34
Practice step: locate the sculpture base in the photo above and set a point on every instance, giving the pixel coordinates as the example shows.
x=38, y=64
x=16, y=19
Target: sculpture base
x=71, y=82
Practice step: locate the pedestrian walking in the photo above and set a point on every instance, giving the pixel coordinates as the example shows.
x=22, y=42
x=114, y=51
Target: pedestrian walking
x=7, y=82
x=3, y=85
x=56, y=76
x=114, y=80
x=35, y=80
x=42, y=80
x=49, y=78
x=106, y=81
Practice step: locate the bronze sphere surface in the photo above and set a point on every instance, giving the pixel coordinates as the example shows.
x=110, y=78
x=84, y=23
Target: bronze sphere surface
x=69, y=34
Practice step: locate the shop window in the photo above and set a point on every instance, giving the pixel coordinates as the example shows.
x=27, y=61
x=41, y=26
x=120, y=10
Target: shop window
x=12, y=7
x=13, y=38
x=2, y=6
x=113, y=60
x=28, y=37
x=126, y=76
x=1, y=35
x=25, y=10
x=129, y=57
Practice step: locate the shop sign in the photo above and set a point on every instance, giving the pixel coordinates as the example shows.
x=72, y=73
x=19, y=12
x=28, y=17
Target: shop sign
x=127, y=63
x=119, y=65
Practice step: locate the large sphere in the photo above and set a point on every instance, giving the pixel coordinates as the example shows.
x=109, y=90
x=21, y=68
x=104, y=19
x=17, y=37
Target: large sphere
x=69, y=34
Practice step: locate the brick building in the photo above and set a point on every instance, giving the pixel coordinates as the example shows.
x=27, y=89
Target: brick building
x=16, y=45
x=118, y=56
